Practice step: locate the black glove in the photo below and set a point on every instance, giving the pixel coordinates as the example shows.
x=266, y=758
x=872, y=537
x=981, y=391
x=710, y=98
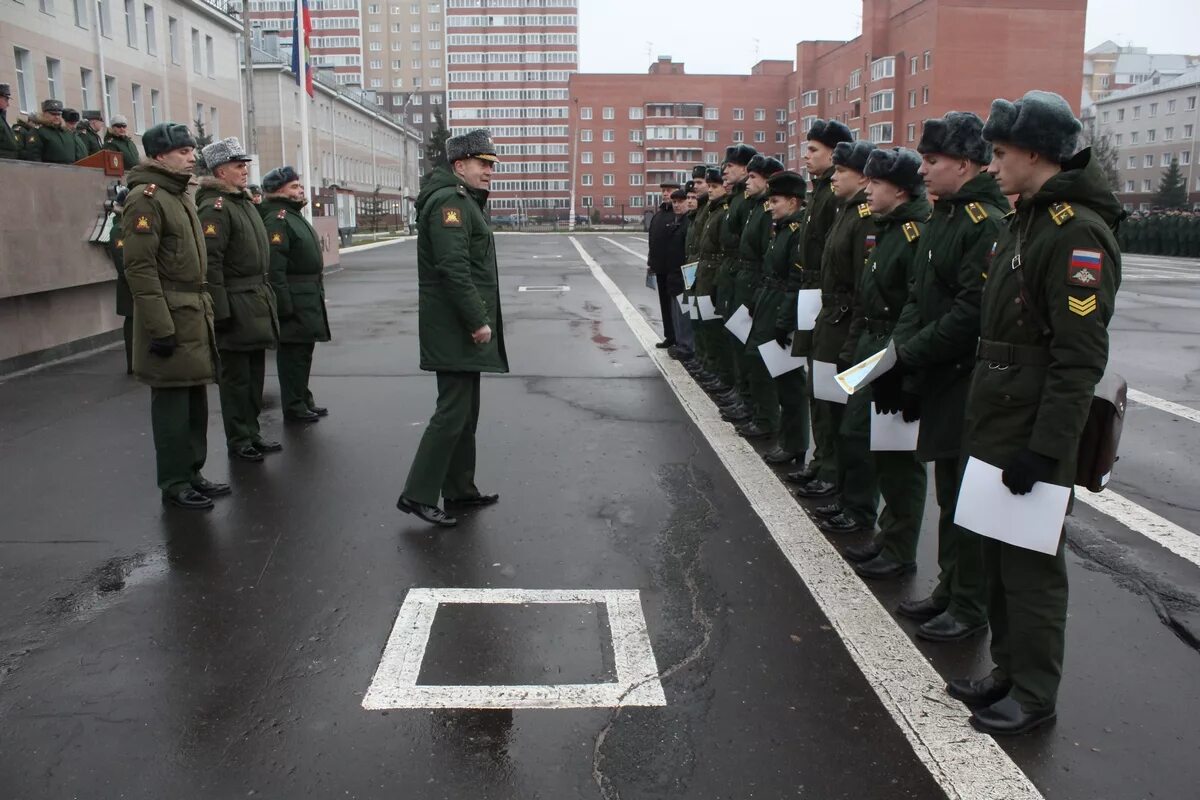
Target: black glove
x=781, y=337
x=750, y=307
x=910, y=406
x=1027, y=469
x=843, y=365
x=164, y=347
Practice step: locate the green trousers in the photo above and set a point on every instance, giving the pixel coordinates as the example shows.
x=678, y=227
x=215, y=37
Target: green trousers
x=902, y=484
x=792, y=390
x=961, y=586
x=242, y=376
x=722, y=345
x=763, y=395
x=1027, y=610
x=858, y=485
x=824, y=434
x=179, y=420
x=294, y=364
x=445, y=461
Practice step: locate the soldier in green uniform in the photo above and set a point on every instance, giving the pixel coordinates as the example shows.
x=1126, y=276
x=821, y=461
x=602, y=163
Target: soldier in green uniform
x=461, y=325
x=817, y=478
x=297, y=276
x=697, y=216
x=896, y=195
x=89, y=131
x=118, y=139
x=1049, y=295
x=715, y=376
x=737, y=157
x=851, y=239
x=52, y=142
x=174, y=350
x=10, y=146
x=935, y=341
x=116, y=253
x=239, y=260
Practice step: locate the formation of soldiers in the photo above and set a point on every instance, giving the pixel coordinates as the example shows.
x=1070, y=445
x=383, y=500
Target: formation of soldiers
x=214, y=284
x=61, y=135
x=1162, y=233
x=998, y=317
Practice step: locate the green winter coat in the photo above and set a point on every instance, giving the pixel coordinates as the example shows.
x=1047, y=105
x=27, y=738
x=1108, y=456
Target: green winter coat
x=297, y=272
x=457, y=277
x=164, y=265
x=10, y=146
x=710, y=247
x=238, y=265
x=695, y=228
x=820, y=212
x=1071, y=269
x=851, y=238
x=91, y=139
x=780, y=262
x=730, y=234
x=116, y=254
x=53, y=143
x=752, y=247
x=939, y=326
x=123, y=145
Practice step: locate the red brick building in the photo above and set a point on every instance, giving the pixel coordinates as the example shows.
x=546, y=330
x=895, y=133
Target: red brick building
x=918, y=59
x=632, y=132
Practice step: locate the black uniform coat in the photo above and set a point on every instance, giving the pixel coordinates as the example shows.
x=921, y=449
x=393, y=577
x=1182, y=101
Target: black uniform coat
x=851, y=238
x=668, y=248
x=297, y=272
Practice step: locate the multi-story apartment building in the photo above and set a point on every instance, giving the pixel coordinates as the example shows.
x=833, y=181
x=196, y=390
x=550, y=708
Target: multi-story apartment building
x=1149, y=125
x=336, y=40
x=405, y=58
x=150, y=60
x=508, y=67
x=918, y=59
x=1110, y=67
x=631, y=133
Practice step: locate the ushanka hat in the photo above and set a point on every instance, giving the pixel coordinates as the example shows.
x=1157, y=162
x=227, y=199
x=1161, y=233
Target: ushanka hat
x=698, y=172
x=788, y=184
x=829, y=133
x=165, y=137
x=853, y=155
x=472, y=144
x=1040, y=121
x=739, y=154
x=764, y=165
x=222, y=152
x=898, y=166
x=713, y=175
x=277, y=178
x=959, y=134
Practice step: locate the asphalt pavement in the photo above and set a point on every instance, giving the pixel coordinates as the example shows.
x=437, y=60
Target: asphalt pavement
x=151, y=652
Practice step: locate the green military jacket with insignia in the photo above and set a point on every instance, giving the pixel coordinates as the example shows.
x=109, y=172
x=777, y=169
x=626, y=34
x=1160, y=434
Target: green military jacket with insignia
x=1071, y=268
x=732, y=225
x=123, y=145
x=239, y=263
x=710, y=247
x=297, y=272
x=752, y=247
x=163, y=251
x=457, y=276
x=695, y=229
x=10, y=146
x=939, y=326
x=780, y=265
x=53, y=143
x=851, y=238
x=91, y=139
x=822, y=205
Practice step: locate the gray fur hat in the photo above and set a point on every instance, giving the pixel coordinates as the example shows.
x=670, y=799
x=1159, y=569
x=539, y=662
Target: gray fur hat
x=277, y=178
x=472, y=144
x=1040, y=121
x=853, y=155
x=959, y=134
x=764, y=165
x=829, y=133
x=222, y=152
x=898, y=166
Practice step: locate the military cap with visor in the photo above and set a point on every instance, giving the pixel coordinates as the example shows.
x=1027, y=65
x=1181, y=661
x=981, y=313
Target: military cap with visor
x=52, y=106
x=165, y=137
x=5, y=90
x=92, y=113
x=472, y=144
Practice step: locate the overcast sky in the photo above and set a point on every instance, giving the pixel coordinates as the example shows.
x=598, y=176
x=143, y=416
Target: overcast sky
x=717, y=36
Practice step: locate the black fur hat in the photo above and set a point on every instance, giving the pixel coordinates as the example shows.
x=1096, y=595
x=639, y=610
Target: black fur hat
x=739, y=154
x=1040, y=121
x=898, y=166
x=959, y=134
x=764, y=165
x=713, y=175
x=829, y=133
x=698, y=172
x=853, y=155
x=788, y=184
x=279, y=177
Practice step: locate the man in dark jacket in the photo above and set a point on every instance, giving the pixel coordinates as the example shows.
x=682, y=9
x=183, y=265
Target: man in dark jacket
x=174, y=351
x=667, y=251
x=10, y=146
x=118, y=139
x=461, y=325
x=89, y=129
x=1049, y=296
x=297, y=275
x=53, y=142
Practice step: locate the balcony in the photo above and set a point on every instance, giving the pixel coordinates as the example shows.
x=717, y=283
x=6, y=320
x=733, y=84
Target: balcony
x=684, y=110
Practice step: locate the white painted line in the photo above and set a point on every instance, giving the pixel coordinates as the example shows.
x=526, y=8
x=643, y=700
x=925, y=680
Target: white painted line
x=558, y=288
x=358, y=248
x=1141, y=398
x=637, y=683
x=634, y=253
x=967, y=765
x=1178, y=540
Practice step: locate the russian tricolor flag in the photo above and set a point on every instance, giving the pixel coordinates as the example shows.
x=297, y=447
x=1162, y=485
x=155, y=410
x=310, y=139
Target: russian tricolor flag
x=301, y=34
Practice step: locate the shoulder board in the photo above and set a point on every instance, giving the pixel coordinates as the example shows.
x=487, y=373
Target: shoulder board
x=976, y=212
x=795, y=226
x=864, y=210
x=219, y=203
x=766, y=205
x=282, y=214
x=911, y=231
x=462, y=190
x=150, y=190
x=1061, y=213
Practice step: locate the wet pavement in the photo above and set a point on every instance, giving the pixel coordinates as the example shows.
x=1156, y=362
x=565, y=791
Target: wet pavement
x=147, y=652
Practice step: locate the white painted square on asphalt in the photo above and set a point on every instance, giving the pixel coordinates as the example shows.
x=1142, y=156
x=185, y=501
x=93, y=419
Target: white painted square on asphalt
x=637, y=684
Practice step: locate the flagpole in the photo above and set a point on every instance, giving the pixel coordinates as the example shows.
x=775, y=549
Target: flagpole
x=300, y=40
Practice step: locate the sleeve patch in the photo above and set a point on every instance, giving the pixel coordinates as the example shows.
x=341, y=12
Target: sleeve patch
x=1084, y=268
x=451, y=217
x=870, y=242
x=276, y=238
x=210, y=230
x=142, y=225
x=1082, y=307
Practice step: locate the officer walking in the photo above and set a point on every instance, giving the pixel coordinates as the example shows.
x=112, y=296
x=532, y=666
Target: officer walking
x=10, y=146
x=461, y=325
x=297, y=276
x=243, y=302
x=174, y=351
x=1049, y=295
x=52, y=142
x=118, y=139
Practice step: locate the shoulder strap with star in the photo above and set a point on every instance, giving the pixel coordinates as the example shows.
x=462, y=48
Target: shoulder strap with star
x=1061, y=213
x=911, y=231
x=976, y=212
x=864, y=210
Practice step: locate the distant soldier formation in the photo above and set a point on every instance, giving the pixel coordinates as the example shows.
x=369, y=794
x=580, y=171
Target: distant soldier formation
x=1161, y=233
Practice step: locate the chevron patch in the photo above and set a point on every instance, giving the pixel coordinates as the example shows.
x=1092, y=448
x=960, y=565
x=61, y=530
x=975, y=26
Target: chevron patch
x=1082, y=307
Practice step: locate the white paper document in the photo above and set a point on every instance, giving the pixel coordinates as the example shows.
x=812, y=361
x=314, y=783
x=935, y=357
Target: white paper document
x=1033, y=521
x=868, y=369
x=825, y=385
x=889, y=432
x=689, y=274
x=778, y=360
x=808, y=305
x=685, y=304
x=704, y=305
x=739, y=324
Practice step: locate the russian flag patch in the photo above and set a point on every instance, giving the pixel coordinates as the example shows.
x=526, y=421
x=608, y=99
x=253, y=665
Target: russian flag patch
x=871, y=241
x=1084, y=268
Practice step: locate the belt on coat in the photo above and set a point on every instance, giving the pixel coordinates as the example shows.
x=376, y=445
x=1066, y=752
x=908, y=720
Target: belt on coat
x=776, y=284
x=305, y=278
x=841, y=298
x=879, y=327
x=244, y=284
x=1006, y=353
x=178, y=286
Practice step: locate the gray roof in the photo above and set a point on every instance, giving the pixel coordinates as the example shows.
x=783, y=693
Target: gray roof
x=1146, y=63
x=1189, y=77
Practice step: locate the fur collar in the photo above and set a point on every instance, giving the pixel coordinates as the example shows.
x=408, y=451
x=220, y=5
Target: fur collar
x=213, y=182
